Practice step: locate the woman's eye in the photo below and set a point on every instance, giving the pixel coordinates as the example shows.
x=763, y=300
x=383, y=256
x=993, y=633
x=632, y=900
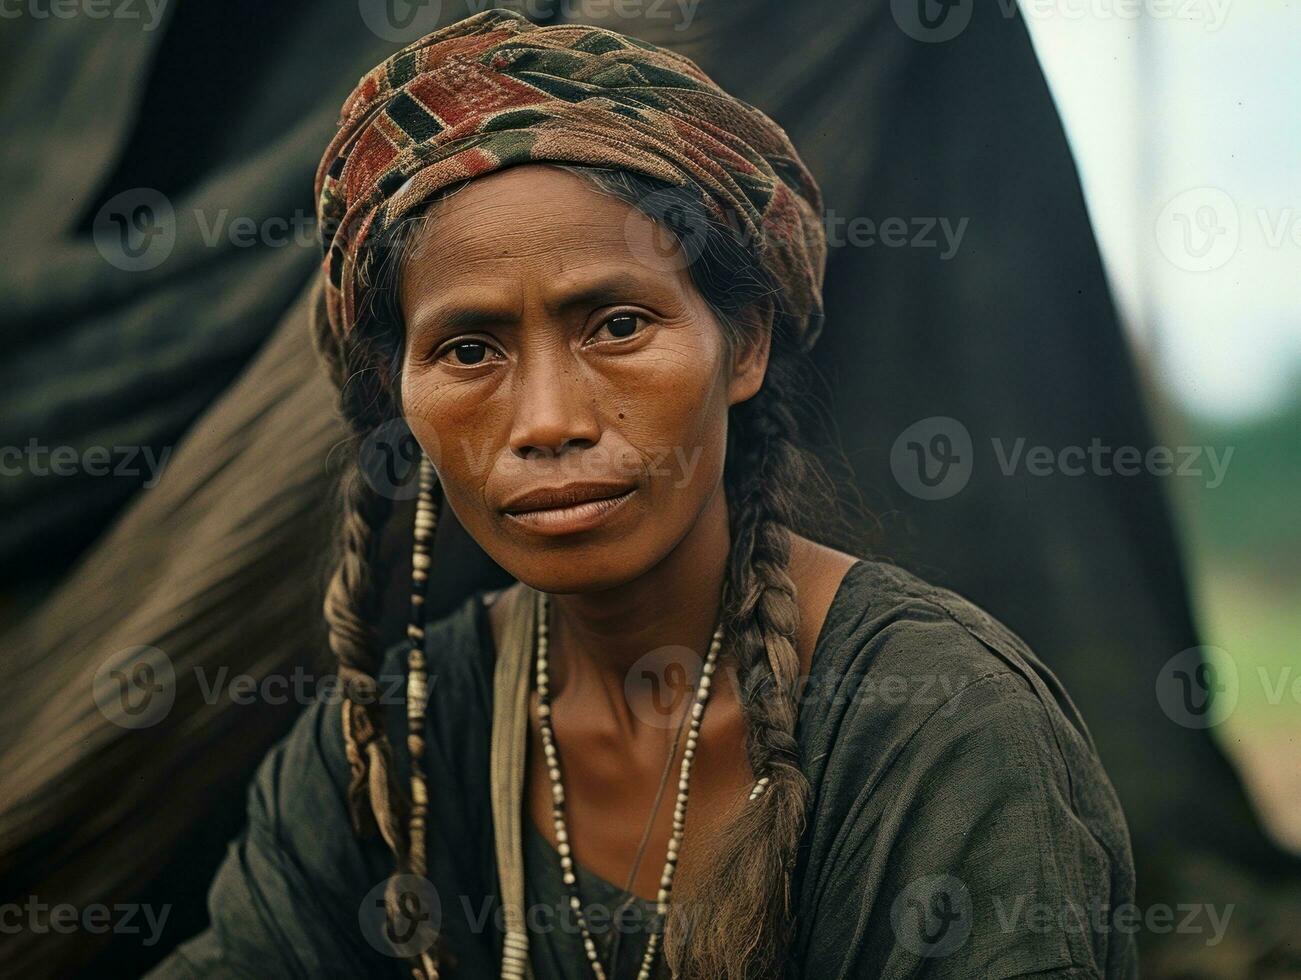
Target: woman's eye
x=466, y=353
x=622, y=325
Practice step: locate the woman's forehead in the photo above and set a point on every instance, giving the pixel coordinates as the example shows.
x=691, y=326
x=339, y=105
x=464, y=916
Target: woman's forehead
x=534, y=222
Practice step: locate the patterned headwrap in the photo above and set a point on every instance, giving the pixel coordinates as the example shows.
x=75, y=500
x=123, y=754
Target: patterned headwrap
x=494, y=90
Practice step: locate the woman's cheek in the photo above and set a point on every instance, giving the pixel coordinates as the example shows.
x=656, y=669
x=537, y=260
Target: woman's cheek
x=439, y=422
x=682, y=446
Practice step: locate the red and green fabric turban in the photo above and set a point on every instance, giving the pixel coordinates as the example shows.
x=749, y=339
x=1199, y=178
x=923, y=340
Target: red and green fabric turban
x=494, y=90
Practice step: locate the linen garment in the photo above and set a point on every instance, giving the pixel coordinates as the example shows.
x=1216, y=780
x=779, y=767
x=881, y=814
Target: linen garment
x=960, y=823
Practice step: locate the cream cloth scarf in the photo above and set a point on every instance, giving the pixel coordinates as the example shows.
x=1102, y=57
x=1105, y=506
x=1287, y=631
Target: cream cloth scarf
x=508, y=761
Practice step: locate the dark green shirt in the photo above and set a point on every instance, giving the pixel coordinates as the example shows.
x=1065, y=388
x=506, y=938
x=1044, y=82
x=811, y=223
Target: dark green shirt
x=960, y=822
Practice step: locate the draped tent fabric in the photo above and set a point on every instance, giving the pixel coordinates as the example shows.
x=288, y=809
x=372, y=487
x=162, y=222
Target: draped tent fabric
x=101, y=117
x=220, y=565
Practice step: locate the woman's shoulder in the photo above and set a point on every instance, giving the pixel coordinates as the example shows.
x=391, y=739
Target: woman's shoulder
x=941, y=748
x=905, y=666
x=890, y=628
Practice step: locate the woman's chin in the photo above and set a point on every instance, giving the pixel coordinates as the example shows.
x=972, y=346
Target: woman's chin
x=573, y=568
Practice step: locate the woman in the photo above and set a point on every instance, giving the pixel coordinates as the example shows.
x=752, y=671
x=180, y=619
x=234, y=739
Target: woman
x=585, y=278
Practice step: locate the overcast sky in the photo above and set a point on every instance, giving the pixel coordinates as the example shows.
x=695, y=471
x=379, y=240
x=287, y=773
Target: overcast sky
x=1186, y=126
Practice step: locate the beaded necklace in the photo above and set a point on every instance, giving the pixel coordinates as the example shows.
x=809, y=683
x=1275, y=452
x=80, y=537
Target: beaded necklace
x=558, y=796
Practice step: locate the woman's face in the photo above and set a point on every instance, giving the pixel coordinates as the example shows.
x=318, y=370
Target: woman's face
x=555, y=343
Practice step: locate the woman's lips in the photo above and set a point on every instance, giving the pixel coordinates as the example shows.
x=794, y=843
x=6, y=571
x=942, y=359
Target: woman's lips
x=571, y=519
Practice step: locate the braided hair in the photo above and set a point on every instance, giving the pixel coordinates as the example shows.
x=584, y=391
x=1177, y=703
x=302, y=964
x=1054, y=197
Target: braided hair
x=775, y=484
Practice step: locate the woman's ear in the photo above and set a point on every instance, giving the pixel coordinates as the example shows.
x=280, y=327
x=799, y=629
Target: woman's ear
x=750, y=357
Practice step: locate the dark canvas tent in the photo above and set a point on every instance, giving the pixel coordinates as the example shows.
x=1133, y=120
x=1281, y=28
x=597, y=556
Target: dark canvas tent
x=224, y=109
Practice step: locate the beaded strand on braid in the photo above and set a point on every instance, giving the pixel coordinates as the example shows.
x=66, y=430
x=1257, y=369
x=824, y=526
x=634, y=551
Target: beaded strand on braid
x=418, y=686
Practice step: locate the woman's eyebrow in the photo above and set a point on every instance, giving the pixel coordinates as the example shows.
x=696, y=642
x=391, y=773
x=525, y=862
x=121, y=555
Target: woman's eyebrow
x=616, y=286
x=470, y=318
x=567, y=294
x=463, y=314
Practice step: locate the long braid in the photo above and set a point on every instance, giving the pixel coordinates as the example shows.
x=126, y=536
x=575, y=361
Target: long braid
x=351, y=602
x=755, y=854
x=376, y=802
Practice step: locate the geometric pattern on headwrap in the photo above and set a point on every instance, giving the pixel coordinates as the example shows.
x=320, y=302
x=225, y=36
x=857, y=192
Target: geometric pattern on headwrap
x=495, y=90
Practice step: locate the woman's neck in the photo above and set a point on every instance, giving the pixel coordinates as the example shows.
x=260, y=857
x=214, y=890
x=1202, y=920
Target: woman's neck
x=616, y=650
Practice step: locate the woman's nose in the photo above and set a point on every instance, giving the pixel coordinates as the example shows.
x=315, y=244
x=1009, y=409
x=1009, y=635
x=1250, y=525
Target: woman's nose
x=553, y=406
